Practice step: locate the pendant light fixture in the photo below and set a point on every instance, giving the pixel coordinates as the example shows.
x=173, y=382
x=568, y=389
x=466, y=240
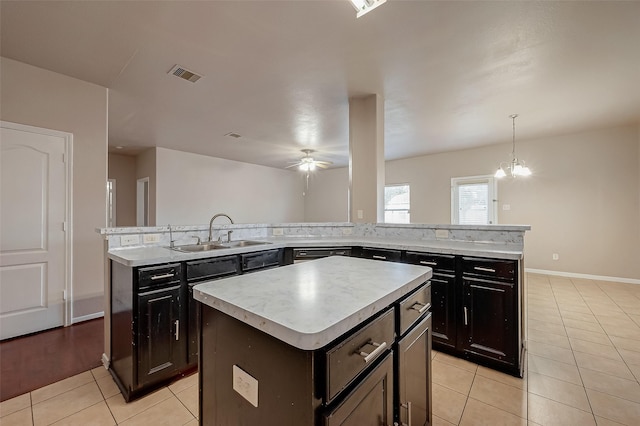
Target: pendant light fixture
x=515, y=167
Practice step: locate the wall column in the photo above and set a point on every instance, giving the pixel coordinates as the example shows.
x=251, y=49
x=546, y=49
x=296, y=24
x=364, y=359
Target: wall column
x=366, y=159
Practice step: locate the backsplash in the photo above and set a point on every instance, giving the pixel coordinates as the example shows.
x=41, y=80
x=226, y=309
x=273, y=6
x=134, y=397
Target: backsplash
x=509, y=235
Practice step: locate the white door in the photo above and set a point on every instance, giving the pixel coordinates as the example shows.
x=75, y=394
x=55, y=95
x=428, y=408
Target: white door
x=33, y=246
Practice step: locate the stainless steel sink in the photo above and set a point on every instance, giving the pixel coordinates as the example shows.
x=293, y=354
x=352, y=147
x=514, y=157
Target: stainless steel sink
x=198, y=247
x=244, y=243
x=194, y=248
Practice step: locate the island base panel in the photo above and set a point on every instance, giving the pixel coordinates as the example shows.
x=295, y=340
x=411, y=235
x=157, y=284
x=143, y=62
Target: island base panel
x=284, y=374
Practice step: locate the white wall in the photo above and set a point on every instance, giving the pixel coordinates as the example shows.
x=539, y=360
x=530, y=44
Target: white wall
x=582, y=200
x=146, y=166
x=122, y=168
x=42, y=98
x=327, y=199
x=191, y=188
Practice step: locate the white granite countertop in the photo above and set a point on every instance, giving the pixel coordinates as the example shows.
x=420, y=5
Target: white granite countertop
x=150, y=255
x=310, y=304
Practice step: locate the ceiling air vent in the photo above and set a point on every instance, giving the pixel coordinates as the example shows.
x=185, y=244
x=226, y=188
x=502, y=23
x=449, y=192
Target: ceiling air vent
x=184, y=73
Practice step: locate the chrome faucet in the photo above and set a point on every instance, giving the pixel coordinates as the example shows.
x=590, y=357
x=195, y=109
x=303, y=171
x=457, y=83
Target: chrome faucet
x=214, y=218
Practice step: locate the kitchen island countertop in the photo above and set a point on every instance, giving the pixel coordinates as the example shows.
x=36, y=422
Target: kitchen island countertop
x=310, y=304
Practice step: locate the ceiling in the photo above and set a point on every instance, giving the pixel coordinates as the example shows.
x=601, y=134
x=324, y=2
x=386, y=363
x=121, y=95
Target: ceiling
x=280, y=73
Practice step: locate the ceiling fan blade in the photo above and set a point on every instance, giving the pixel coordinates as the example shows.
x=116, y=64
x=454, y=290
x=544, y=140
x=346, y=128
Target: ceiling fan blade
x=322, y=166
x=293, y=165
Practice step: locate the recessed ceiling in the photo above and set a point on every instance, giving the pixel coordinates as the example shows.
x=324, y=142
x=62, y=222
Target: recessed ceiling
x=280, y=73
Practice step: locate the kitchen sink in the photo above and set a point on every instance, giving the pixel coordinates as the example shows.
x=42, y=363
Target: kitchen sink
x=244, y=243
x=198, y=247
x=194, y=248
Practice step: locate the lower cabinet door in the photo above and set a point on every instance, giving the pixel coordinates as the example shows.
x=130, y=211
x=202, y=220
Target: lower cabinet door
x=414, y=376
x=161, y=348
x=370, y=403
x=443, y=299
x=488, y=320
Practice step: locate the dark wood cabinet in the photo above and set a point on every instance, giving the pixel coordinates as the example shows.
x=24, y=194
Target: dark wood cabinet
x=161, y=348
x=489, y=328
x=370, y=403
x=252, y=262
x=443, y=296
x=414, y=376
x=356, y=380
x=476, y=312
x=148, y=326
x=198, y=271
x=389, y=255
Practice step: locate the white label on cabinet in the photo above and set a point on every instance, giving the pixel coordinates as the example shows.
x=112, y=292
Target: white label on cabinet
x=245, y=385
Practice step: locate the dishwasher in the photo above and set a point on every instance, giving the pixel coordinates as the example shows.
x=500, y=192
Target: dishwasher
x=303, y=255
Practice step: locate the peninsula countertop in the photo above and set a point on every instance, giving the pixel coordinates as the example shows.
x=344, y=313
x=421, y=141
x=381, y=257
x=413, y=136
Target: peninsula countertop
x=310, y=304
x=149, y=255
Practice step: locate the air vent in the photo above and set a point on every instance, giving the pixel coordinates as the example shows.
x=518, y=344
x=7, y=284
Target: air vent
x=184, y=73
x=233, y=135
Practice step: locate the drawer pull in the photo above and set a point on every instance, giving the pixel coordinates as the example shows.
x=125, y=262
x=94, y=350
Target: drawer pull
x=159, y=277
x=341, y=253
x=466, y=319
x=302, y=253
x=408, y=407
x=177, y=333
x=420, y=307
x=424, y=262
x=368, y=356
x=375, y=256
x=480, y=268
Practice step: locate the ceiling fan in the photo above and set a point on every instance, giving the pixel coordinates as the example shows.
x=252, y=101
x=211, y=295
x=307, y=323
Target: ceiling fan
x=307, y=163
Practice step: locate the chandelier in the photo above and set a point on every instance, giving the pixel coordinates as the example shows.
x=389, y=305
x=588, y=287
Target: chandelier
x=515, y=167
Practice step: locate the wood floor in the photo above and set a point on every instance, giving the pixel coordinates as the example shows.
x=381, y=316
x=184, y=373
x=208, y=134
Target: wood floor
x=30, y=362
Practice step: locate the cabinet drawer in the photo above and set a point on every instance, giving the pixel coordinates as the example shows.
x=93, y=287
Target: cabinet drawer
x=413, y=308
x=156, y=276
x=354, y=354
x=382, y=254
x=490, y=268
x=208, y=269
x=370, y=403
x=263, y=259
x=436, y=262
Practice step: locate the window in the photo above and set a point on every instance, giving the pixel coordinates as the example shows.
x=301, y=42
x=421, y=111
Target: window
x=396, y=204
x=473, y=200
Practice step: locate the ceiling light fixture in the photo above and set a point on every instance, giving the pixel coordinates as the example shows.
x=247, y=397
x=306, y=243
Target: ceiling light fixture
x=515, y=167
x=365, y=6
x=307, y=165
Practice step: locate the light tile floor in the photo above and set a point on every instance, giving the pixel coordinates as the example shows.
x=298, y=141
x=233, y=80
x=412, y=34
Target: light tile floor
x=582, y=368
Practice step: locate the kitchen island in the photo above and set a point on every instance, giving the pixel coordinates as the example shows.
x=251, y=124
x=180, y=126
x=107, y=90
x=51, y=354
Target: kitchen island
x=325, y=342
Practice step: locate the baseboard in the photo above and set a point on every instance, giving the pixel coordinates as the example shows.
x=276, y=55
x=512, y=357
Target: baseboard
x=87, y=317
x=585, y=276
x=105, y=361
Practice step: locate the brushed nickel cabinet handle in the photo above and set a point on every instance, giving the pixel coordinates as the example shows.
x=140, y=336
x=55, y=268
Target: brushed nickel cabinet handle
x=466, y=320
x=480, y=268
x=368, y=356
x=375, y=256
x=177, y=333
x=159, y=277
x=424, y=262
x=420, y=307
x=408, y=407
